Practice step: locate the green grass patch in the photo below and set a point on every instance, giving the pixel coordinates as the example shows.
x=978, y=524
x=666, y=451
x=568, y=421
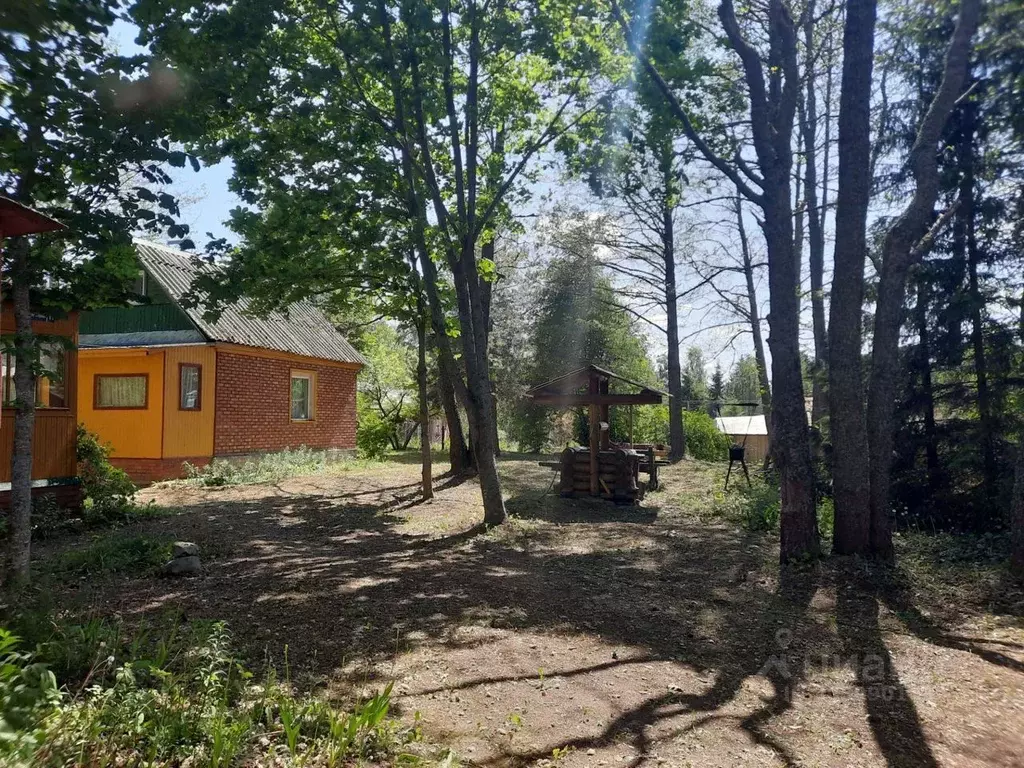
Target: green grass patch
x=271, y=467
x=112, y=553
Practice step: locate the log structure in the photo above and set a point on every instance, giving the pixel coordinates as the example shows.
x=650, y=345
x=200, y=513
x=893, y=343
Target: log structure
x=601, y=469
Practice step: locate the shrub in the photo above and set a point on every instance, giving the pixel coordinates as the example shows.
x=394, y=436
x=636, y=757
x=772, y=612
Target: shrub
x=182, y=697
x=826, y=517
x=109, y=492
x=756, y=507
x=373, y=436
x=28, y=692
x=703, y=440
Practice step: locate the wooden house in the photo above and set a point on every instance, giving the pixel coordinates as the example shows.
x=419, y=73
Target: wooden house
x=54, y=469
x=165, y=385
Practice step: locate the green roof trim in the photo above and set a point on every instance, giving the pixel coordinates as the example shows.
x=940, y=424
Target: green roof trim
x=143, y=318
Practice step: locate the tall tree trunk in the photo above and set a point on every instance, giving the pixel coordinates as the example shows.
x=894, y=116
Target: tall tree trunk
x=773, y=93
x=791, y=449
x=773, y=115
x=850, y=475
x=676, y=428
x=19, y=521
x=815, y=229
x=1017, y=517
x=450, y=383
x=904, y=244
x=479, y=410
x=967, y=221
x=1017, y=505
x=421, y=383
x=924, y=362
x=754, y=313
x=458, y=452
x=487, y=290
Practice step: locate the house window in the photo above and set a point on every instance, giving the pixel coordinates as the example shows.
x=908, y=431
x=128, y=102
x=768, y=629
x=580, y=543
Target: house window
x=121, y=391
x=50, y=381
x=190, y=382
x=302, y=396
x=140, y=284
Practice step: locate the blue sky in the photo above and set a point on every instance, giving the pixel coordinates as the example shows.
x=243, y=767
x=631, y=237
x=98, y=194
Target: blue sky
x=206, y=199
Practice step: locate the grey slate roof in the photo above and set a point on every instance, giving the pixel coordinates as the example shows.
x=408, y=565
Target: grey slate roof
x=139, y=339
x=304, y=330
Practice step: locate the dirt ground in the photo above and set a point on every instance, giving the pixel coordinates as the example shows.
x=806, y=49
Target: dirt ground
x=583, y=634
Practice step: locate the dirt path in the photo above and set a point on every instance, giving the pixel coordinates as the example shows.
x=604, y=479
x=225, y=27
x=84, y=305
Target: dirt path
x=589, y=635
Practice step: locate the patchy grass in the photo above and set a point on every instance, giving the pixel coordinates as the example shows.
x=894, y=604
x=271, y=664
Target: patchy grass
x=111, y=553
x=271, y=467
x=959, y=573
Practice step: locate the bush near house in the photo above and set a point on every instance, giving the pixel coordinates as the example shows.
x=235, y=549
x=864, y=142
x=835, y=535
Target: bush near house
x=109, y=494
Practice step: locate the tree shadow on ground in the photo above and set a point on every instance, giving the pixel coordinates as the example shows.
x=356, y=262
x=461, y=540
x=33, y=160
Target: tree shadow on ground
x=337, y=578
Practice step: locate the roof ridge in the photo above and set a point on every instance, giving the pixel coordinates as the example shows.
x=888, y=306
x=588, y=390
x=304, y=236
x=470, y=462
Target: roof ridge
x=301, y=327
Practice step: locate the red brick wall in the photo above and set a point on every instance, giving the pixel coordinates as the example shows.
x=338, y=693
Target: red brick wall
x=253, y=406
x=145, y=471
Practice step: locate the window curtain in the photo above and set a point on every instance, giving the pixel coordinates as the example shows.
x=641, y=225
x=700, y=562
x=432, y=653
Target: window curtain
x=121, y=392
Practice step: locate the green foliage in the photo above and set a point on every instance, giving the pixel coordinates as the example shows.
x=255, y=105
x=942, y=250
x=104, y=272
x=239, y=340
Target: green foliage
x=109, y=492
x=374, y=434
x=387, y=391
x=742, y=386
x=756, y=507
x=703, y=440
x=650, y=424
x=112, y=553
x=695, y=380
x=826, y=517
x=28, y=692
x=717, y=389
x=82, y=143
x=159, y=700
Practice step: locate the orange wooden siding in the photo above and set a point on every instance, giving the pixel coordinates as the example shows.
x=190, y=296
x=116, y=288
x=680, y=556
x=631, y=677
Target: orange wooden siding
x=53, y=441
x=53, y=445
x=133, y=433
x=189, y=433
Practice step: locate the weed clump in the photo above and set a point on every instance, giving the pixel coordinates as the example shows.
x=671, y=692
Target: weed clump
x=267, y=468
x=169, y=699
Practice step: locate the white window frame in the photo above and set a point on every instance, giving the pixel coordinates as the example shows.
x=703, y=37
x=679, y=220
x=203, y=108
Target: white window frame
x=310, y=377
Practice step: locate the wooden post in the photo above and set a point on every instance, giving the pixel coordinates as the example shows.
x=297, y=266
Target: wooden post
x=565, y=485
x=652, y=465
x=595, y=447
x=606, y=435
x=631, y=425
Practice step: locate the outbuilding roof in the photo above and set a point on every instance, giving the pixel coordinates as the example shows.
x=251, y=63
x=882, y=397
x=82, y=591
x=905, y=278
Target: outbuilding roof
x=742, y=425
x=302, y=330
x=563, y=390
